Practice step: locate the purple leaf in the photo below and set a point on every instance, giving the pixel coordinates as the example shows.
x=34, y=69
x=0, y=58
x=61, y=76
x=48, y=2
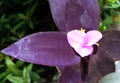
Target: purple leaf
x=73, y=11
x=74, y=14
x=46, y=48
x=110, y=43
x=82, y=13
x=99, y=65
x=57, y=10
x=93, y=10
x=70, y=75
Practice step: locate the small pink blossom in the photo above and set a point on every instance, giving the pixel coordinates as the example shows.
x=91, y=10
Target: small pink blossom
x=82, y=42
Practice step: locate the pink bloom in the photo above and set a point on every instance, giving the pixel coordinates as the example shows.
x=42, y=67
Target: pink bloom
x=82, y=42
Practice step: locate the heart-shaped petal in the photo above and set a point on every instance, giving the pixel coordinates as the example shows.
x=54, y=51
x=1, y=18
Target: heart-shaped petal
x=92, y=37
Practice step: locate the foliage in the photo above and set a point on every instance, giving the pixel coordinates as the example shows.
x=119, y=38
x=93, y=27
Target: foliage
x=17, y=19
x=20, y=18
x=110, y=13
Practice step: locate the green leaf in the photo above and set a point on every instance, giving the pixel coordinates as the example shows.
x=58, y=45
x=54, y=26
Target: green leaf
x=26, y=76
x=4, y=74
x=29, y=68
x=14, y=79
x=112, y=1
x=27, y=2
x=113, y=6
x=19, y=63
x=3, y=19
x=22, y=16
x=108, y=21
x=12, y=67
x=21, y=34
x=31, y=24
x=34, y=76
x=17, y=26
x=1, y=57
x=32, y=9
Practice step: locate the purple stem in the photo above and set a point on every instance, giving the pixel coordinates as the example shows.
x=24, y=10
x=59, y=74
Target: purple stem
x=84, y=68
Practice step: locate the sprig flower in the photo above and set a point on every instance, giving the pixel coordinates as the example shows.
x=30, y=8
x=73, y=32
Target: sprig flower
x=83, y=42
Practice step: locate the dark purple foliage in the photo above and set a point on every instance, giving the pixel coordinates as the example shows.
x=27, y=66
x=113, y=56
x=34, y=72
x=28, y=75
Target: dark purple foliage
x=52, y=48
x=111, y=44
x=100, y=64
x=46, y=48
x=74, y=14
x=71, y=75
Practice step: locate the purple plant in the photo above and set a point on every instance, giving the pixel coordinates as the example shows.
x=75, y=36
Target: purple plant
x=60, y=48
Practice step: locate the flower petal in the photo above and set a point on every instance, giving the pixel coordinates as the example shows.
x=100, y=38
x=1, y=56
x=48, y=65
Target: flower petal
x=75, y=38
x=46, y=48
x=92, y=37
x=84, y=51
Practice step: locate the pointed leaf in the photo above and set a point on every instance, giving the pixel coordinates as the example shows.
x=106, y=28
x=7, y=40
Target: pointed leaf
x=4, y=74
x=14, y=79
x=82, y=13
x=57, y=10
x=26, y=75
x=73, y=11
x=74, y=14
x=93, y=10
x=70, y=75
x=100, y=65
x=110, y=43
x=47, y=48
x=12, y=67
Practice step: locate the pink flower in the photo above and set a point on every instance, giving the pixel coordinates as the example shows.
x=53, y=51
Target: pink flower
x=83, y=42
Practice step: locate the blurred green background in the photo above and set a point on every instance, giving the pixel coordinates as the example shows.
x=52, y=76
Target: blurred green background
x=19, y=18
